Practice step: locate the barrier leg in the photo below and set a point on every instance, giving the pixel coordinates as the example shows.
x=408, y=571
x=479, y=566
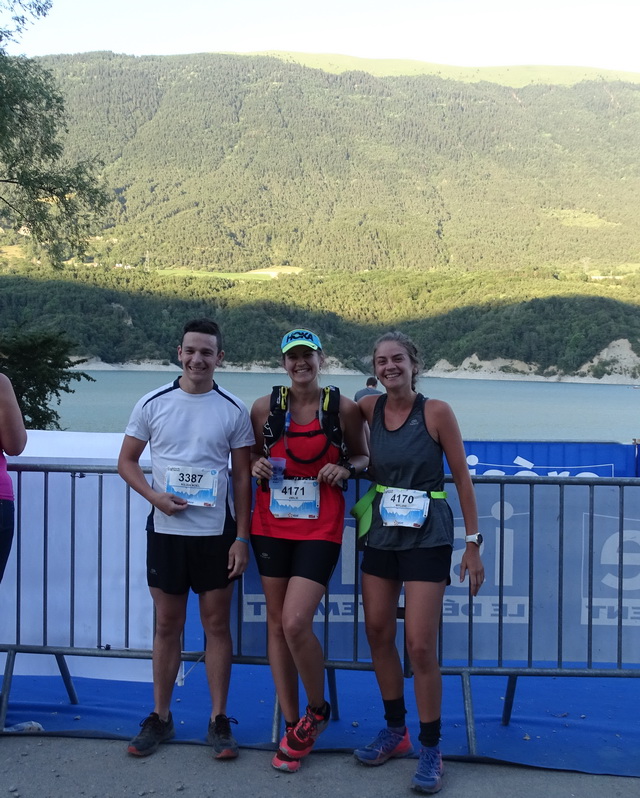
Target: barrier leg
x=276, y=721
x=407, y=669
x=66, y=678
x=333, y=693
x=468, y=714
x=6, y=686
x=508, y=699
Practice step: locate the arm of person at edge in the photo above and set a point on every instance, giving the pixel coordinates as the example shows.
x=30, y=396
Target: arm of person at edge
x=129, y=469
x=13, y=435
x=443, y=427
x=241, y=479
x=354, y=438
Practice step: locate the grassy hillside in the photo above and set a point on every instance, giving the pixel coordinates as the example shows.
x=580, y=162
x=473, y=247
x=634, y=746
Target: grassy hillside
x=515, y=76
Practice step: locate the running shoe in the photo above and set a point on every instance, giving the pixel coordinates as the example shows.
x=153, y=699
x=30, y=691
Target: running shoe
x=387, y=745
x=154, y=731
x=428, y=776
x=220, y=738
x=285, y=763
x=298, y=742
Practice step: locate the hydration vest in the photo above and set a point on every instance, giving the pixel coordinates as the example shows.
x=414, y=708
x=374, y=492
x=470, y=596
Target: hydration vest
x=277, y=424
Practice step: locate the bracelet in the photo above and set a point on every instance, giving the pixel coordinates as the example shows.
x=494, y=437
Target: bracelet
x=243, y=540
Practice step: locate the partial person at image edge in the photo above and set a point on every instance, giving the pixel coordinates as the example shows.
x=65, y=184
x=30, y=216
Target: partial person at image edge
x=13, y=439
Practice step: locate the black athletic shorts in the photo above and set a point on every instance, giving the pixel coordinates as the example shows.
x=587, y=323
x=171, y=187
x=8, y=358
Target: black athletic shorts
x=409, y=565
x=282, y=558
x=6, y=532
x=176, y=563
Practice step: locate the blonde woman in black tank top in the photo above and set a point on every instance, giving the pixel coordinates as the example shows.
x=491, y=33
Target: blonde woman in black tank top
x=404, y=427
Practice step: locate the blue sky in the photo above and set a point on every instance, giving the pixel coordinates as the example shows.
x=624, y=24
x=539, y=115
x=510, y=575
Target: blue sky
x=461, y=32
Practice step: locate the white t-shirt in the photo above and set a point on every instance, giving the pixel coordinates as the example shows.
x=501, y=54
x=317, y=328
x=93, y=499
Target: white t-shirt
x=197, y=430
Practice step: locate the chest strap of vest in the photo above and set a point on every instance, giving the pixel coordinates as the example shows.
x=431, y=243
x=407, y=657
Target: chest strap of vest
x=362, y=510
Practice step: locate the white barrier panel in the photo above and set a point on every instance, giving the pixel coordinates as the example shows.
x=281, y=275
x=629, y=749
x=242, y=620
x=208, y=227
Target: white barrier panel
x=77, y=573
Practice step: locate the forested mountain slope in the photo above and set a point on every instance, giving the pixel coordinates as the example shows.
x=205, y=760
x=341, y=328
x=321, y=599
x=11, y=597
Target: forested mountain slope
x=234, y=163
x=444, y=207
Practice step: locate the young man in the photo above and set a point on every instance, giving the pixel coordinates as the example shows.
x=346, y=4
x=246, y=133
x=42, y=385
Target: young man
x=370, y=390
x=195, y=538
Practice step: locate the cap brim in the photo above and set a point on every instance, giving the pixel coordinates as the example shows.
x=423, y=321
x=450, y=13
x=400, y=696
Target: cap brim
x=291, y=344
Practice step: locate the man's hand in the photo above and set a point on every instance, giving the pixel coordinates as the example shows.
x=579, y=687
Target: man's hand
x=238, y=558
x=169, y=503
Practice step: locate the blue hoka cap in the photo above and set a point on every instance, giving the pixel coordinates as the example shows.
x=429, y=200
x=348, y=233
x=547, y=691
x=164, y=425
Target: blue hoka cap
x=300, y=338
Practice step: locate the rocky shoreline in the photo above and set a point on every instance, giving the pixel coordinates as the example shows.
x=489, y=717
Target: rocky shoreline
x=619, y=359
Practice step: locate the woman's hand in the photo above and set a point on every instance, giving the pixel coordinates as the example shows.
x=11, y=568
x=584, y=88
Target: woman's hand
x=262, y=468
x=472, y=564
x=333, y=474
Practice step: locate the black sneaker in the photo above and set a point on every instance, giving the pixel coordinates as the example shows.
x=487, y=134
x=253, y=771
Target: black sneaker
x=154, y=731
x=219, y=736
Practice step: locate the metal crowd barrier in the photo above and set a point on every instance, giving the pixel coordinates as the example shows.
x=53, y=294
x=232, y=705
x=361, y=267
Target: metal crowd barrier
x=561, y=596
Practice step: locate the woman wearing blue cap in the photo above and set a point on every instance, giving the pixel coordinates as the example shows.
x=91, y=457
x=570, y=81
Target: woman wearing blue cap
x=297, y=526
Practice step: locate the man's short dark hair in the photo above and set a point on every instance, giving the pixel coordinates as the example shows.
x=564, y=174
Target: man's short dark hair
x=372, y=382
x=206, y=326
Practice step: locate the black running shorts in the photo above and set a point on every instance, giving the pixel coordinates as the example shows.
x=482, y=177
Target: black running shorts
x=177, y=563
x=409, y=565
x=282, y=558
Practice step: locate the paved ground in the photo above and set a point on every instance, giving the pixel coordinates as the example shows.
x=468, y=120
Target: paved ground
x=47, y=767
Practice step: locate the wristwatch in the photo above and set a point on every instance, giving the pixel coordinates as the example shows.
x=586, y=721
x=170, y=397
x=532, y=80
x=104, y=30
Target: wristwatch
x=477, y=539
x=350, y=468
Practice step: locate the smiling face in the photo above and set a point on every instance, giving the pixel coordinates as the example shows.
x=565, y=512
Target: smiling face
x=199, y=357
x=394, y=366
x=302, y=364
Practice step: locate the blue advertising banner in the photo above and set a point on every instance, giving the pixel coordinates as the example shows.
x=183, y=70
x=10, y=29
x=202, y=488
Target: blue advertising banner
x=562, y=582
x=551, y=459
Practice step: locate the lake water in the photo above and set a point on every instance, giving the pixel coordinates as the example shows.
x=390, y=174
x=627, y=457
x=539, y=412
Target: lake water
x=486, y=409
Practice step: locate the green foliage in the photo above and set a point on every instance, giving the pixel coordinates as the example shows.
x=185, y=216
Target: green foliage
x=38, y=365
x=49, y=199
x=131, y=315
x=15, y=14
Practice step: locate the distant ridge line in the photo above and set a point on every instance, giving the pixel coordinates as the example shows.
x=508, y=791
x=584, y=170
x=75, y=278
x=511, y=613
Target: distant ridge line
x=512, y=75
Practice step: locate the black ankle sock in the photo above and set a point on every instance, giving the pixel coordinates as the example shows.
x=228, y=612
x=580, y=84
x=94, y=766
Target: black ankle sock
x=323, y=710
x=394, y=712
x=430, y=733
x=289, y=724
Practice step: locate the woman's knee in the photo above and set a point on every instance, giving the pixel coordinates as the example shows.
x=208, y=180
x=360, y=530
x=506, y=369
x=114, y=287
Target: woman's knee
x=422, y=655
x=380, y=634
x=295, y=628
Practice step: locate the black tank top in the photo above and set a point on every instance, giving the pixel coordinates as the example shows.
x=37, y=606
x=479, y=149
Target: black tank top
x=408, y=457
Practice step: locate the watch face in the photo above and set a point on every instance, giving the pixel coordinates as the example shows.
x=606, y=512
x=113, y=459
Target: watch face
x=479, y=538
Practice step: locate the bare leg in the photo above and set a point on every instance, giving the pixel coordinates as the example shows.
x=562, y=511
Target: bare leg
x=300, y=604
x=283, y=668
x=167, y=646
x=380, y=600
x=422, y=617
x=215, y=606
